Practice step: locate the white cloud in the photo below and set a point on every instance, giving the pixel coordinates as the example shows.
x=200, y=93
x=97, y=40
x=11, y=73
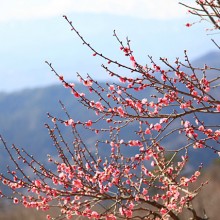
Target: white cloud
x=146, y=9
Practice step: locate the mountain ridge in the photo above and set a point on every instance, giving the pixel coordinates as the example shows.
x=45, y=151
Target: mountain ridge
x=24, y=113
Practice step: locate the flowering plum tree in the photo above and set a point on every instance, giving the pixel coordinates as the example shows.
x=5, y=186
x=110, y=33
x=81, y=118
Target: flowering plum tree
x=105, y=181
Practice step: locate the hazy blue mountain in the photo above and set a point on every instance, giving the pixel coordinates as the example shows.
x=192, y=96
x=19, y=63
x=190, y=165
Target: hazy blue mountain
x=211, y=59
x=23, y=114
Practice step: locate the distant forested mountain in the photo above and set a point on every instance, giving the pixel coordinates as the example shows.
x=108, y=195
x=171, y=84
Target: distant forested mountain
x=23, y=115
x=211, y=59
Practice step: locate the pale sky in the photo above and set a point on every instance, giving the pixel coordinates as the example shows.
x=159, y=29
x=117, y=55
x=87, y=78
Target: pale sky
x=34, y=9
x=32, y=31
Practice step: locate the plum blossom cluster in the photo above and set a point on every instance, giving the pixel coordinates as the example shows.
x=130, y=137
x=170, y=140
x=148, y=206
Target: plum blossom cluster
x=82, y=188
x=207, y=10
x=140, y=175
